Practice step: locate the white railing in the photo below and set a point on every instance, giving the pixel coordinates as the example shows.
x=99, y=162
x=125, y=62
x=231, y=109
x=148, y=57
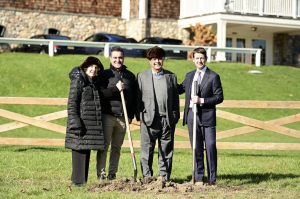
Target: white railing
x=245, y=6
x=286, y=8
x=278, y=8
x=209, y=49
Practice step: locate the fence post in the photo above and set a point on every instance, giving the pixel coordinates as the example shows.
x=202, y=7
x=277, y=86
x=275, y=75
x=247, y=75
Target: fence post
x=50, y=48
x=106, y=50
x=257, y=57
x=208, y=55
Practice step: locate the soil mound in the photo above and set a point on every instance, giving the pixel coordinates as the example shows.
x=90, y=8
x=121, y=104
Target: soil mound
x=148, y=185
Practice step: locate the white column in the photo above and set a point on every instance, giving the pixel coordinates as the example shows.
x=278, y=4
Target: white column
x=126, y=9
x=245, y=7
x=294, y=7
x=221, y=39
x=261, y=7
x=143, y=9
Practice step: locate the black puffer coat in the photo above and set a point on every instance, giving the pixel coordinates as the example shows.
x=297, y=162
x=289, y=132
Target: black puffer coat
x=113, y=105
x=84, y=125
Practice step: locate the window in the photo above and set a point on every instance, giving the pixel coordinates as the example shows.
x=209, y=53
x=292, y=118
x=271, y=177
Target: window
x=100, y=38
x=240, y=43
x=2, y=31
x=228, y=44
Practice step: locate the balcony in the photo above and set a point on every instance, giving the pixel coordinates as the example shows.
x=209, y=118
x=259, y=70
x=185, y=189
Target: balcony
x=277, y=8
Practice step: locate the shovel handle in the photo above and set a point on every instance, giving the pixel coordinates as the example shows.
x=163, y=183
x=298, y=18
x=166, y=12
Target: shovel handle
x=129, y=134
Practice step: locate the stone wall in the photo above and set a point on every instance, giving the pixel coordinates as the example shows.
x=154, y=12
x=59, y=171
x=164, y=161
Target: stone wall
x=136, y=28
x=91, y=7
x=78, y=27
x=286, y=50
x=163, y=28
x=23, y=24
x=164, y=9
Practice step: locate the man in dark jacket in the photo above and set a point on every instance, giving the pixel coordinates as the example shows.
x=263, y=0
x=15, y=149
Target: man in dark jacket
x=112, y=112
x=209, y=93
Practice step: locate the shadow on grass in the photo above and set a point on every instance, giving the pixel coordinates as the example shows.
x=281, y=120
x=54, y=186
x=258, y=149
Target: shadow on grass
x=242, y=179
x=259, y=154
x=17, y=148
x=254, y=178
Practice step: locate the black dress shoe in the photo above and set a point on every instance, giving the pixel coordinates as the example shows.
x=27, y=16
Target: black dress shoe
x=212, y=183
x=77, y=184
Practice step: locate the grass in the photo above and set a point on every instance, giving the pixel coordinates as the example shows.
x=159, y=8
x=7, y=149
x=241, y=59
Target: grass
x=38, y=169
x=266, y=174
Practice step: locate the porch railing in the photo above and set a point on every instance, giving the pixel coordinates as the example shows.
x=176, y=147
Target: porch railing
x=279, y=8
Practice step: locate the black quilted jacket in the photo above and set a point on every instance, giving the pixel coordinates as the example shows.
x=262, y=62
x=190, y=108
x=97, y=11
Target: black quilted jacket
x=84, y=125
x=113, y=105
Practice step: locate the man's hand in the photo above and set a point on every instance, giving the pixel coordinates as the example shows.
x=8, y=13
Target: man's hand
x=196, y=100
x=120, y=86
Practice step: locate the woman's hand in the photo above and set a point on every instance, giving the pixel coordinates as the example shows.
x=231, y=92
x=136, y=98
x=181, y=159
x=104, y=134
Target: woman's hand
x=120, y=86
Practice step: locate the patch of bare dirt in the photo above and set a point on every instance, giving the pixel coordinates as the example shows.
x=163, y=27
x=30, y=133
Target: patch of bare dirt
x=152, y=185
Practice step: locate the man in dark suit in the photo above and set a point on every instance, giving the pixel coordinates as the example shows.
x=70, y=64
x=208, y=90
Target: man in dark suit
x=209, y=94
x=158, y=111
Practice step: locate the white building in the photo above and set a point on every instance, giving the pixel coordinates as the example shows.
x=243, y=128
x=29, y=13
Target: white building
x=249, y=23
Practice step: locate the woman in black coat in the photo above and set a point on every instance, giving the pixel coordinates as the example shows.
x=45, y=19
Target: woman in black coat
x=84, y=125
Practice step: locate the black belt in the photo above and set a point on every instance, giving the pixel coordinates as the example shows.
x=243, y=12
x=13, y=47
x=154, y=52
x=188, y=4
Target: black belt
x=121, y=114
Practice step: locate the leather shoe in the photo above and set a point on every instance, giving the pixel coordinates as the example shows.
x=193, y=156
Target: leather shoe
x=212, y=183
x=77, y=184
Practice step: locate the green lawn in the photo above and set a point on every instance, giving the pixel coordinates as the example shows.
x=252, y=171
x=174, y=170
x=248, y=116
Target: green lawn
x=34, y=168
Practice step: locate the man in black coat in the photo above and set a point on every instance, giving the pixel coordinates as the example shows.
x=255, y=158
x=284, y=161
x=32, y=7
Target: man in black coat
x=209, y=94
x=112, y=112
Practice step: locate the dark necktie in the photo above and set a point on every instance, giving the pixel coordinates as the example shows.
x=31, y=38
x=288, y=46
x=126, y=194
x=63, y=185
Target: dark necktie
x=199, y=82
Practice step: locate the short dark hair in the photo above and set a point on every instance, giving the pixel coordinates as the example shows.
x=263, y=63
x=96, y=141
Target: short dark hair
x=118, y=49
x=155, y=52
x=201, y=51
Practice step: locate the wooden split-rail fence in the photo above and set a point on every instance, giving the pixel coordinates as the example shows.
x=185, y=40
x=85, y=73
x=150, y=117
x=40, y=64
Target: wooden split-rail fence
x=251, y=124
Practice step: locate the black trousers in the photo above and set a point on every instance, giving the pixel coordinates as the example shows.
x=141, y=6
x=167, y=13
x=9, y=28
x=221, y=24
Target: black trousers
x=205, y=134
x=80, y=163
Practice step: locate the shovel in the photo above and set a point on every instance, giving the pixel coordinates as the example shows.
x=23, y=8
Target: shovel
x=194, y=133
x=129, y=136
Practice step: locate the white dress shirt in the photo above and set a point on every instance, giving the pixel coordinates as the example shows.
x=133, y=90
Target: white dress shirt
x=201, y=72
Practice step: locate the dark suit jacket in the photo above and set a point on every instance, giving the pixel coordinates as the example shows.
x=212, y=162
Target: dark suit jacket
x=145, y=97
x=212, y=92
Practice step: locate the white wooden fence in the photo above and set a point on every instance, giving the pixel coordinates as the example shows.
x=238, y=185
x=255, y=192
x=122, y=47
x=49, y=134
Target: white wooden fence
x=106, y=45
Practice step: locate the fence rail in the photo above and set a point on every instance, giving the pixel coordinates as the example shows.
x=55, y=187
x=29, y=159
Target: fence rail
x=252, y=125
x=209, y=49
